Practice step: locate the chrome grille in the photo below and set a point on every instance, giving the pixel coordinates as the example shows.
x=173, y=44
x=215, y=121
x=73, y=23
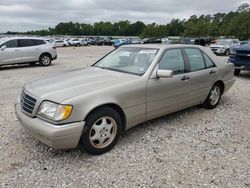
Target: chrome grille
x=27, y=102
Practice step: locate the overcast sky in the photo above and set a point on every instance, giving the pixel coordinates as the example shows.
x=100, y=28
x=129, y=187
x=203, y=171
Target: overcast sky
x=23, y=15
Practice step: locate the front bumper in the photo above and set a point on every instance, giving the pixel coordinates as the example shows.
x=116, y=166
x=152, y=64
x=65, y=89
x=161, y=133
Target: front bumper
x=240, y=64
x=56, y=136
x=219, y=51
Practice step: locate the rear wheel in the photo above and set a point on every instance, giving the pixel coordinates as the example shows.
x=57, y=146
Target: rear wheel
x=214, y=97
x=237, y=72
x=45, y=60
x=104, y=127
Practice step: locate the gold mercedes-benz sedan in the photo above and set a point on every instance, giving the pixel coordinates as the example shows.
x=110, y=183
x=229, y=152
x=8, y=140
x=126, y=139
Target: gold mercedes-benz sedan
x=91, y=107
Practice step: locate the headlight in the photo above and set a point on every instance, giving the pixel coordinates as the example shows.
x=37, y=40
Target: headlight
x=53, y=111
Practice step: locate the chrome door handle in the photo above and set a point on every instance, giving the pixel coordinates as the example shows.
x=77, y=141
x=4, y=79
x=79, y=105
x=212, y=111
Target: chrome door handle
x=212, y=72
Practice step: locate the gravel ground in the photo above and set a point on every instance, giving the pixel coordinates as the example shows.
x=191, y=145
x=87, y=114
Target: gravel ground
x=191, y=148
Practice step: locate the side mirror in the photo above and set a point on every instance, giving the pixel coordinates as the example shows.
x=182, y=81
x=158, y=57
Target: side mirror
x=3, y=47
x=164, y=73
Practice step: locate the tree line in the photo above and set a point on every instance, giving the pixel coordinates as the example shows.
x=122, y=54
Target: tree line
x=235, y=23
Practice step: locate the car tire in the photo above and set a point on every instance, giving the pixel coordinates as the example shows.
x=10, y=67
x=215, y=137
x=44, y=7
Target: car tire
x=103, y=130
x=214, y=97
x=237, y=72
x=45, y=60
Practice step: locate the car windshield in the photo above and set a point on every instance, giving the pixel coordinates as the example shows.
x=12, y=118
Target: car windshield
x=128, y=60
x=223, y=42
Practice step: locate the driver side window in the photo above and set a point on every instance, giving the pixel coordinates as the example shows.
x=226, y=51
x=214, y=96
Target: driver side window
x=10, y=44
x=172, y=60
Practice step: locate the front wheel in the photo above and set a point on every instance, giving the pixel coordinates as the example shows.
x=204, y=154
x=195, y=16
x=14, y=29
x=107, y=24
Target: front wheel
x=45, y=60
x=214, y=97
x=104, y=127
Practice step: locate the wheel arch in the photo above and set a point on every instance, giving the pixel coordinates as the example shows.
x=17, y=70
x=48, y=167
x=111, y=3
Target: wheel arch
x=45, y=53
x=113, y=106
x=221, y=83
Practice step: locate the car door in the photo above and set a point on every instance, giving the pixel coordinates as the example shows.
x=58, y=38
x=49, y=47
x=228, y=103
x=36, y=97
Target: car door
x=11, y=54
x=28, y=49
x=202, y=75
x=166, y=95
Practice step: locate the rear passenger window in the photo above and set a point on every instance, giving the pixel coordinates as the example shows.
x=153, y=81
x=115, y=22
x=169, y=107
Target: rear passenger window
x=195, y=59
x=38, y=42
x=25, y=42
x=11, y=44
x=209, y=62
x=172, y=60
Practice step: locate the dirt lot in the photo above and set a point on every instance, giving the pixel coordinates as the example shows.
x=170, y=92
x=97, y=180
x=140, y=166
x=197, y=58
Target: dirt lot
x=191, y=148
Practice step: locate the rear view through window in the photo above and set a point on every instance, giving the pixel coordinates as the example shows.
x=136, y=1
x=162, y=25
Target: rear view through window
x=195, y=59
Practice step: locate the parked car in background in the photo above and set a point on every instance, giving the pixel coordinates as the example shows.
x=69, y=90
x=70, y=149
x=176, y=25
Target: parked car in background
x=85, y=42
x=26, y=50
x=244, y=42
x=240, y=57
x=66, y=43
x=137, y=41
x=151, y=41
x=104, y=41
x=49, y=40
x=93, y=41
x=75, y=42
x=165, y=41
x=58, y=43
x=120, y=42
x=196, y=41
x=222, y=47
x=91, y=107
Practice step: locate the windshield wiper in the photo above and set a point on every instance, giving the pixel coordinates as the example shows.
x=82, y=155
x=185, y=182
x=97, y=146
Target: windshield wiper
x=118, y=70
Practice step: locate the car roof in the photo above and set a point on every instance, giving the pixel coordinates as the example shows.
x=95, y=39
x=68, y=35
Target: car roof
x=219, y=61
x=13, y=38
x=162, y=46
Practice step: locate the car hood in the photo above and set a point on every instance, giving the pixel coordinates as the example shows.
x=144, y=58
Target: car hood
x=77, y=82
x=245, y=47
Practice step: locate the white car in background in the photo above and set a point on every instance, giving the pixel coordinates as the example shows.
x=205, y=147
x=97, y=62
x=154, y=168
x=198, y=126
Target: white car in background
x=222, y=47
x=165, y=41
x=85, y=42
x=26, y=50
x=66, y=43
x=58, y=43
x=75, y=42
